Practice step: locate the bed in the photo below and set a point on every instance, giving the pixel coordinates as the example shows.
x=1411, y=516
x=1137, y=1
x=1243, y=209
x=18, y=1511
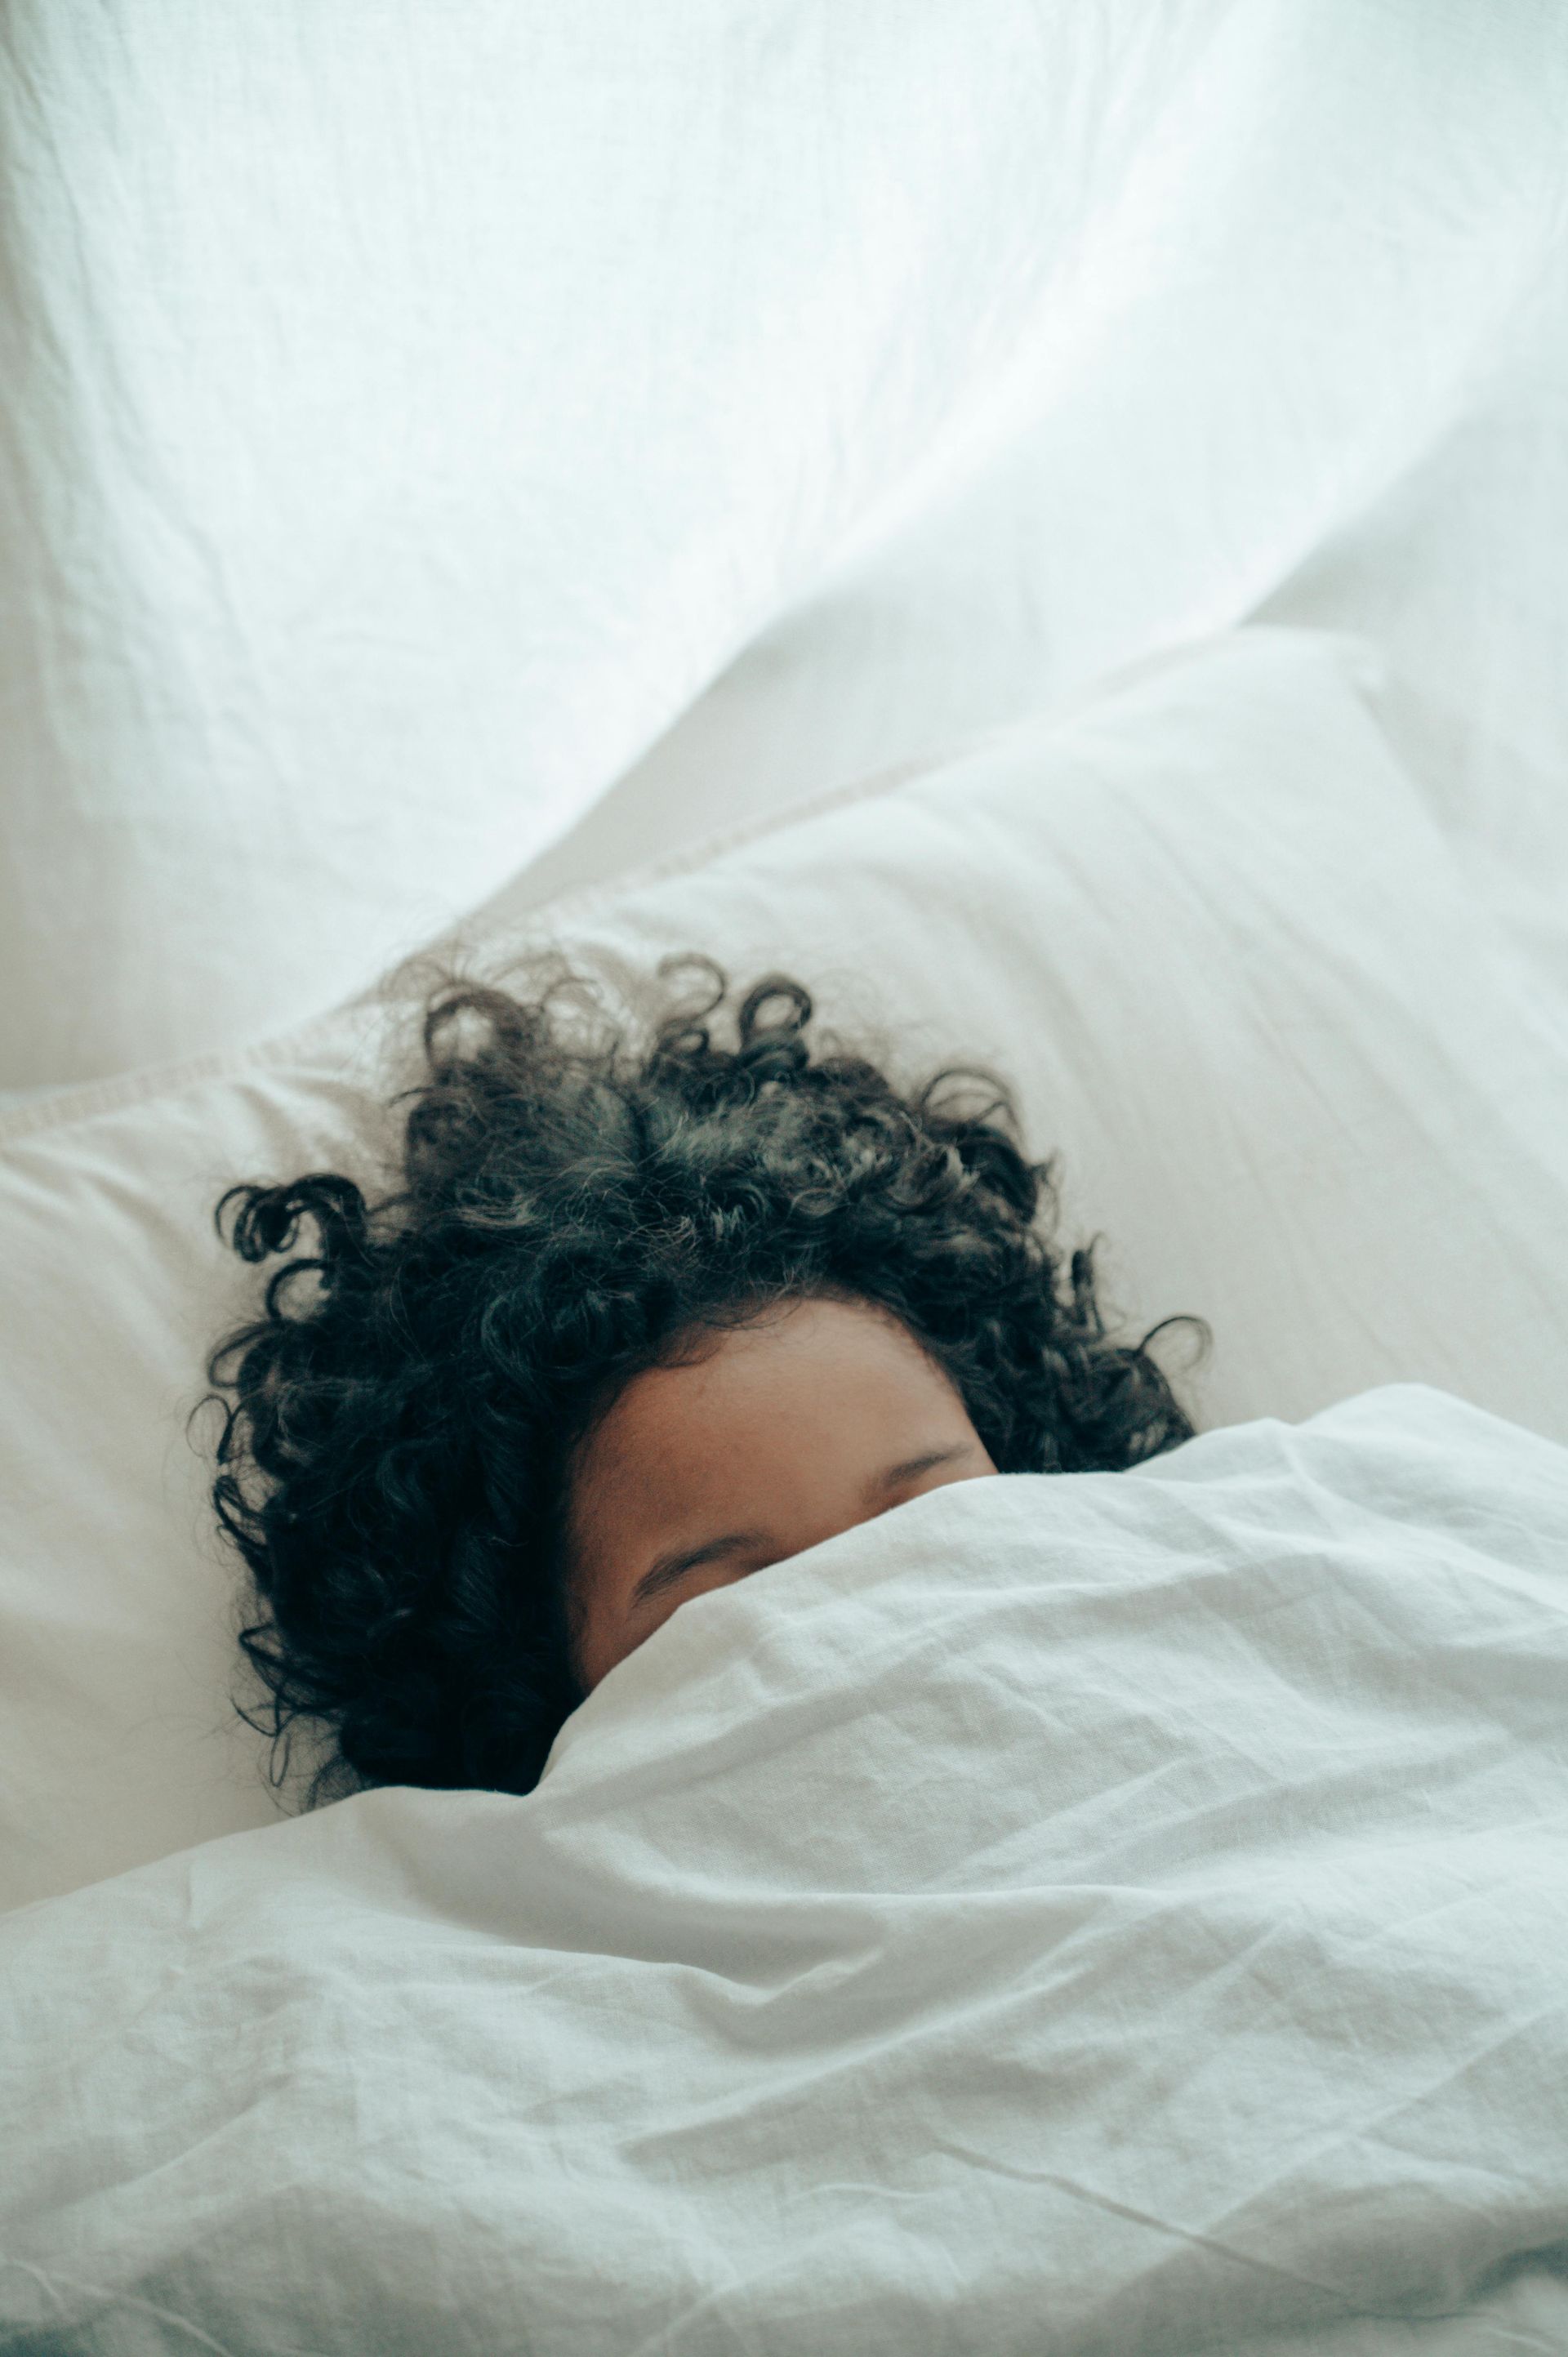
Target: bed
x=1135, y=670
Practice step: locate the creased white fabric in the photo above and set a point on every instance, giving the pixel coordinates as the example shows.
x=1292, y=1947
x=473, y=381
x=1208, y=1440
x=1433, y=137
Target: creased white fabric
x=405, y=412
x=1306, y=359
x=1108, y=1915
x=405, y=415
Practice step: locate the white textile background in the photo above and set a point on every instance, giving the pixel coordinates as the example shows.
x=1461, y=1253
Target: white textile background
x=407, y=412
x=406, y=416
x=1307, y=362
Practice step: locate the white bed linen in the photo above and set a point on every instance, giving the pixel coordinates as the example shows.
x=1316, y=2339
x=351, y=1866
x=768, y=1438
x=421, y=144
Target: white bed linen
x=1307, y=361
x=404, y=414
x=1109, y=1915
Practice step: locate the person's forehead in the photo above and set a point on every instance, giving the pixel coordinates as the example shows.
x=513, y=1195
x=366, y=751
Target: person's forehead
x=812, y=1369
x=804, y=1347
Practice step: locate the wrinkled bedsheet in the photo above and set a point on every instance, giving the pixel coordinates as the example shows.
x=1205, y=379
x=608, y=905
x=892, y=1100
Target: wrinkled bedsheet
x=1066, y=1917
x=441, y=442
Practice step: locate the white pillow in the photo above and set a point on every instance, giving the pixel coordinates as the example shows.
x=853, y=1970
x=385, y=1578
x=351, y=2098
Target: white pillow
x=1201, y=919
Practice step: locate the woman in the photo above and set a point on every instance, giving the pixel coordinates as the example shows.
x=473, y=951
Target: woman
x=637, y=1321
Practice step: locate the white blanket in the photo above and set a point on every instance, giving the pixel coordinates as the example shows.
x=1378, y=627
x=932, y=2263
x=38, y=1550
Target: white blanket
x=1100, y=1914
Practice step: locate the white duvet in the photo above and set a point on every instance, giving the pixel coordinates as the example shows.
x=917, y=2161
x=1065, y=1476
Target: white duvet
x=1067, y=1916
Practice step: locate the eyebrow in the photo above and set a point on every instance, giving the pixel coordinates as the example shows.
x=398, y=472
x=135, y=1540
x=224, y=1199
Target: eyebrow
x=669, y=1567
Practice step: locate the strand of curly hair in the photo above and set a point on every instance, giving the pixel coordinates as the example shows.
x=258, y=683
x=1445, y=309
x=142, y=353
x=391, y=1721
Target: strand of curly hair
x=401, y=1415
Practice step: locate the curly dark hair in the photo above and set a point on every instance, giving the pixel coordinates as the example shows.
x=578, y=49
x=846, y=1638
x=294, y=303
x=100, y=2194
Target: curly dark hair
x=399, y=1435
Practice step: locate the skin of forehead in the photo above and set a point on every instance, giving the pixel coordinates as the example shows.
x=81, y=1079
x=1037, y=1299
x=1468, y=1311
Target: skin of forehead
x=661, y=1410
